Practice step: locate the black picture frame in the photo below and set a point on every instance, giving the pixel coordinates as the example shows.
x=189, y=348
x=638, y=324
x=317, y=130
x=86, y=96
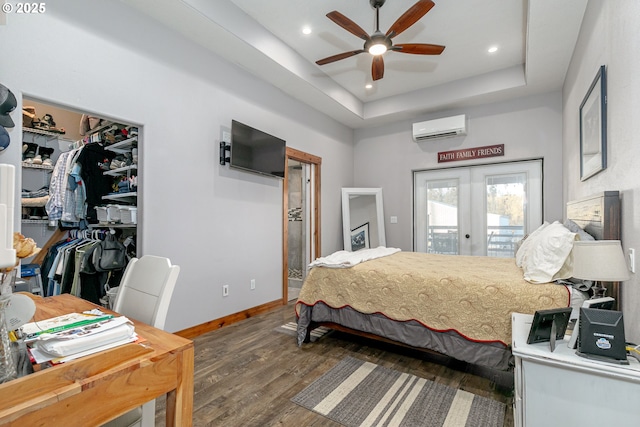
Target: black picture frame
x=543, y=321
x=360, y=237
x=593, y=127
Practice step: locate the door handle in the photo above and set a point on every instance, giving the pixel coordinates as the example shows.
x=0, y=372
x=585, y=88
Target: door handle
x=467, y=235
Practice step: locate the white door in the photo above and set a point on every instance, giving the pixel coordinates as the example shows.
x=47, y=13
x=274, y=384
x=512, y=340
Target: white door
x=477, y=210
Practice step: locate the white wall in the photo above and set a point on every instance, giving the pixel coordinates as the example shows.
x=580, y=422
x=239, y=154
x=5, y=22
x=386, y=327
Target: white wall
x=529, y=128
x=609, y=36
x=221, y=226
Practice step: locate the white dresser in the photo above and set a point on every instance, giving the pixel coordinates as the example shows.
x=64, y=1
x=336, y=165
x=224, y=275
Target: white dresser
x=563, y=389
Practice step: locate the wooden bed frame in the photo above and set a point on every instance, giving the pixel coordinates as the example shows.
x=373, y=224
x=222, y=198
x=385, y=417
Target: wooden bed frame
x=599, y=215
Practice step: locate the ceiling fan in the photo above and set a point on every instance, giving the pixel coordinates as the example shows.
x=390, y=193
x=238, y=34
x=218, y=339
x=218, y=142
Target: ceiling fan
x=378, y=43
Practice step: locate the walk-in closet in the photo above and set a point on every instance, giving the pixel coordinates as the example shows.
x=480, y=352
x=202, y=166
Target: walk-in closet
x=80, y=190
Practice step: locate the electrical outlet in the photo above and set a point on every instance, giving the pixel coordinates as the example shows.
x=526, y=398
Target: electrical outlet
x=631, y=256
x=253, y=284
x=225, y=290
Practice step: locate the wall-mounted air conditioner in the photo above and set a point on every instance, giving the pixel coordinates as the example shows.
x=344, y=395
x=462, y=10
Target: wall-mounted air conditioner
x=440, y=128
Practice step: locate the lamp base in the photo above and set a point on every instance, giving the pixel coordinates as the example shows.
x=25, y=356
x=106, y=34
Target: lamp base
x=599, y=291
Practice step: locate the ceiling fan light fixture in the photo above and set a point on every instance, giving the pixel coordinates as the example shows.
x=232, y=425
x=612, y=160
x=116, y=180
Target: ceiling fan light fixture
x=377, y=44
x=377, y=49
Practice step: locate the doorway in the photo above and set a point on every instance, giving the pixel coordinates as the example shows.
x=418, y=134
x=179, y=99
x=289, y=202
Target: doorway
x=479, y=210
x=301, y=219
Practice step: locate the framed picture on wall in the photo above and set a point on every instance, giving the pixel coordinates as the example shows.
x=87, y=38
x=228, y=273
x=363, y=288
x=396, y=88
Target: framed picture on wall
x=593, y=127
x=360, y=237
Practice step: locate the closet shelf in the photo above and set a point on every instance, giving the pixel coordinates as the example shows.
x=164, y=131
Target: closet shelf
x=112, y=225
x=122, y=146
x=38, y=221
x=105, y=124
x=42, y=132
x=32, y=166
x=120, y=196
x=120, y=171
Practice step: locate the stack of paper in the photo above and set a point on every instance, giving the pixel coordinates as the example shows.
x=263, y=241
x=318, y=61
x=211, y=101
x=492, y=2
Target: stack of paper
x=71, y=336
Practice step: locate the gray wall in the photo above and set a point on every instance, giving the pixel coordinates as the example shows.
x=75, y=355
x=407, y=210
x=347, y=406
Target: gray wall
x=221, y=226
x=529, y=128
x=609, y=36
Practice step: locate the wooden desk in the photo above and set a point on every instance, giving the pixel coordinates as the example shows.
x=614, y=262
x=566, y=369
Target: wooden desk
x=95, y=389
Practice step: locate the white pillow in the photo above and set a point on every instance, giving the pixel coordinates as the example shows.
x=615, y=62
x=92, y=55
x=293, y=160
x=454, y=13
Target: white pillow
x=549, y=257
x=527, y=242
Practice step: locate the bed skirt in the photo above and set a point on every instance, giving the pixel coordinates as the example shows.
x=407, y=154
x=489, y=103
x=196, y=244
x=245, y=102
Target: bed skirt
x=492, y=354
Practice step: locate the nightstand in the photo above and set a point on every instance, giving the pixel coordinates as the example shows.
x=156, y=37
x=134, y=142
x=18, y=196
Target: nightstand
x=562, y=389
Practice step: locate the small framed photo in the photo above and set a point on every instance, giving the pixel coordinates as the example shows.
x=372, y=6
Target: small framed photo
x=360, y=237
x=593, y=127
x=546, y=321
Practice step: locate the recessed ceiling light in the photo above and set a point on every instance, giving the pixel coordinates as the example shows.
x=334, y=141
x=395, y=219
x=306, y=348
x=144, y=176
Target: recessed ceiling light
x=493, y=49
x=368, y=86
x=306, y=30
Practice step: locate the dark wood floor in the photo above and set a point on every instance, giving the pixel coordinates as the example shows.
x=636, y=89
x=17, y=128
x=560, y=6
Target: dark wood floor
x=246, y=373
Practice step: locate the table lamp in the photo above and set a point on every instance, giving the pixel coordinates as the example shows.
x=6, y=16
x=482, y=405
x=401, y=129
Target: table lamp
x=600, y=261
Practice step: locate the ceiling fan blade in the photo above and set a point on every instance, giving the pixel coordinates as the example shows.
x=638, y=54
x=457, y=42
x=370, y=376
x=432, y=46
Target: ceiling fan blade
x=410, y=17
x=348, y=24
x=419, y=48
x=377, y=68
x=338, y=57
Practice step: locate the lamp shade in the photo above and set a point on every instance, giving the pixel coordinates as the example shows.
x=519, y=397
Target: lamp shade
x=601, y=260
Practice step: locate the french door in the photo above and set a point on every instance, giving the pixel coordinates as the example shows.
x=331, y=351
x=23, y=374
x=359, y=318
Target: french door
x=477, y=210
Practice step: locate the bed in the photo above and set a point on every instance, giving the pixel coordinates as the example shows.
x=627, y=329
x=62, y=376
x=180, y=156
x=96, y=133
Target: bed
x=455, y=305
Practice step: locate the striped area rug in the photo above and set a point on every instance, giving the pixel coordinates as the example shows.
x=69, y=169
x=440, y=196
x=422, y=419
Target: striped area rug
x=290, y=328
x=356, y=393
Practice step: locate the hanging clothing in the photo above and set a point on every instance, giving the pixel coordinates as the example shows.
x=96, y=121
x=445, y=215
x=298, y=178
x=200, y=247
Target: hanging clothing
x=94, y=160
x=68, y=266
x=57, y=187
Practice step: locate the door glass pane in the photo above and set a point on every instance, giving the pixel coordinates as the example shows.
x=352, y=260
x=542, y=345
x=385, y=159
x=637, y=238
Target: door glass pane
x=442, y=217
x=506, y=198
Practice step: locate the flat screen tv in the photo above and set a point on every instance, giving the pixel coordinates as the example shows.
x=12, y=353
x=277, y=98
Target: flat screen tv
x=256, y=151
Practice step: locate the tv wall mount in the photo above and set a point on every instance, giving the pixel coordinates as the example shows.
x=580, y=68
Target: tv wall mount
x=224, y=147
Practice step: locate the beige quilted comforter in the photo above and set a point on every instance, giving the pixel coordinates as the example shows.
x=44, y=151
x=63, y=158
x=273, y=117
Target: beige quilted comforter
x=474, y=296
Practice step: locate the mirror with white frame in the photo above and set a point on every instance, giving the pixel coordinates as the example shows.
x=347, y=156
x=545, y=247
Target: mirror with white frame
x=362, y=218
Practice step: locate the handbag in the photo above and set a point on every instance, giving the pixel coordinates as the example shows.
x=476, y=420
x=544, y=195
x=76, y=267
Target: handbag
x=109, y=255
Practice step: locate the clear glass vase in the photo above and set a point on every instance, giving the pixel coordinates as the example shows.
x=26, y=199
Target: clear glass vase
x=8, y=369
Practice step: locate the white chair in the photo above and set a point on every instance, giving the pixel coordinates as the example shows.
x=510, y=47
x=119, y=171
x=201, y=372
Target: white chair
x=144, y=295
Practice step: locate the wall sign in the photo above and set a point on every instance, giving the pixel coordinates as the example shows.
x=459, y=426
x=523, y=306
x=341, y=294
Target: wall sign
x=471, y=153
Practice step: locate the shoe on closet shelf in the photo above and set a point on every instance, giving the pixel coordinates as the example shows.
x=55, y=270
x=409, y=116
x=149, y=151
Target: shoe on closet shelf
x=35, y=213
x=132, y=131
x=123, y=185
x=116, y=164
x=134, y=155
x=45, y=155
x=30, y=153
